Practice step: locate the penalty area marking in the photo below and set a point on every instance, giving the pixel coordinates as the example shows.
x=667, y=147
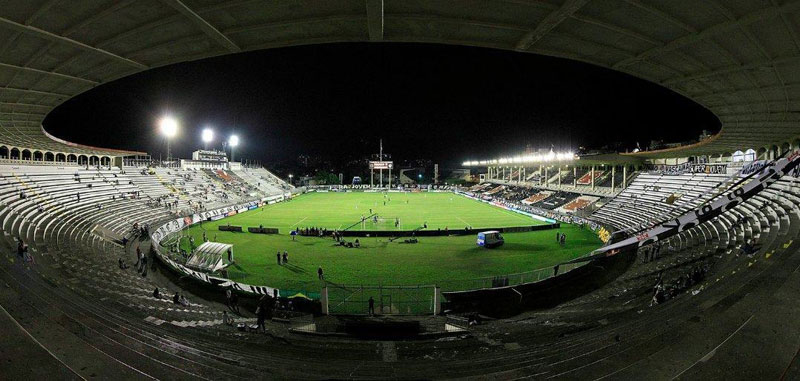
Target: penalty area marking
x=298, y=222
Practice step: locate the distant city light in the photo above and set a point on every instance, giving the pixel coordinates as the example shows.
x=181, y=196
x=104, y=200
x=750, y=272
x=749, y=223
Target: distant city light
x=524, y=159
x=208, y=135
x=168, y=126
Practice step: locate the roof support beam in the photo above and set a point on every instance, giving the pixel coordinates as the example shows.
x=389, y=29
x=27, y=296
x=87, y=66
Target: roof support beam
x=23, y=114
x=453, y=20
x=37, y=92
x=207, y=28
x=41, y=11
x=19, y=104
x=97, y=15
x=375, y=19
x=49, y=73
x=549, y=23
x=733, y=69
x=722, y=27
x=288, y=23
x=67, y=41
x=743, y=90
x=615, y=28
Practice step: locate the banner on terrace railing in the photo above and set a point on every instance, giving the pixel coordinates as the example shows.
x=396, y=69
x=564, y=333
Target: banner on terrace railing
x=503, y=206
x=667, y=169
x=178, y=224
x=758, y=182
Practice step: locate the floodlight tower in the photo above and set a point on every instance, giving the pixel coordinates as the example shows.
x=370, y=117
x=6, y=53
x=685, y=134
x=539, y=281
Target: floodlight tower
x=169, y=128
x=233, y=141
x=208, y=136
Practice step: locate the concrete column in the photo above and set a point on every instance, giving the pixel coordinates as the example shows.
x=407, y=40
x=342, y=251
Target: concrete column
x=540, y=175
x=613, y=171
x=592, y=177
x=546, y=178
x=559, y=177
x=624, y=177
x=519, y=174
x=574, y=176
x=323, y=299
x=437, y=300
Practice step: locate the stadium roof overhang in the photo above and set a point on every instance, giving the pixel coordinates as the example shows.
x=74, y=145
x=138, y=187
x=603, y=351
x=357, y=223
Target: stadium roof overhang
x=739, y=59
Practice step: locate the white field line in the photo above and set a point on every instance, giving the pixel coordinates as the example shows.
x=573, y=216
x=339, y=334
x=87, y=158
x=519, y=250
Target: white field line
x=298, y=222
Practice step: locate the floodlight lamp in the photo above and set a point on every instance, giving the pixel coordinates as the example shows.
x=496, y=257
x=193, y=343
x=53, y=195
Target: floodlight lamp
x=233, y=141
x=169, y=126
x=208, y=135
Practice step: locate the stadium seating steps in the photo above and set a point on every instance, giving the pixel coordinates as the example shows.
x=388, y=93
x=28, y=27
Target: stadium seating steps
x=76, y=286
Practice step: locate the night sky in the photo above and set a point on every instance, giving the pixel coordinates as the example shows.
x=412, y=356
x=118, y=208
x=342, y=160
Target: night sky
x=443, y=103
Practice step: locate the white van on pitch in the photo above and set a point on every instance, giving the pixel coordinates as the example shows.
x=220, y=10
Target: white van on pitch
x=490, y=239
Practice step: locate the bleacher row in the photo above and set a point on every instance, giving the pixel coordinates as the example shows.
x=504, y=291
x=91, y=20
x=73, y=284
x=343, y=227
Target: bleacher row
x=41, y=203
x=544, y=199
x=653, y=197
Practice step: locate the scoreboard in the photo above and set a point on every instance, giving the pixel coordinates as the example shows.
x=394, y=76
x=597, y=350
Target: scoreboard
x=380, y=165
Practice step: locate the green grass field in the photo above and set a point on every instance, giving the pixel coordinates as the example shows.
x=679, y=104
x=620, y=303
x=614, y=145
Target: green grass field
x=452, y=262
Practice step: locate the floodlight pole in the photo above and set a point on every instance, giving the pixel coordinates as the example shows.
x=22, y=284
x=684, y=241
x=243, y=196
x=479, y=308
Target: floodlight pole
x=169, y=157
x=380, y=158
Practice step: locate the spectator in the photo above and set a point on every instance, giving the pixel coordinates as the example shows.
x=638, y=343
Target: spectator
x=285, y=257
x=156, y=293
x=226, y=319
x=278, y=255
x=371, y=306
x=139, y=256
x=183, y=301
x=142, y=265
x=26, y=255
x=261, y=314
x=122, y=264
x=320, y=274
x=176, y=299
x=235, y=303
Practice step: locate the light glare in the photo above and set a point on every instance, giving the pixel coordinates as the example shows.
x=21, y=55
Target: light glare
x=208, y=135
x=524, y=159
x=169, y=126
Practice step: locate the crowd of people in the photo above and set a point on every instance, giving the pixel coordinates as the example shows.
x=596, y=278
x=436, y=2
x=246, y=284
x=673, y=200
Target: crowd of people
x=663, y=291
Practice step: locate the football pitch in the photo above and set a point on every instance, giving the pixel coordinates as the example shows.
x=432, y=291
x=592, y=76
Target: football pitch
x=453, y=262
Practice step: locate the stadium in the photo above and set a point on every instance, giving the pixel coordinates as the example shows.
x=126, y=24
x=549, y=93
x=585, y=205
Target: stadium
x=167, y=256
